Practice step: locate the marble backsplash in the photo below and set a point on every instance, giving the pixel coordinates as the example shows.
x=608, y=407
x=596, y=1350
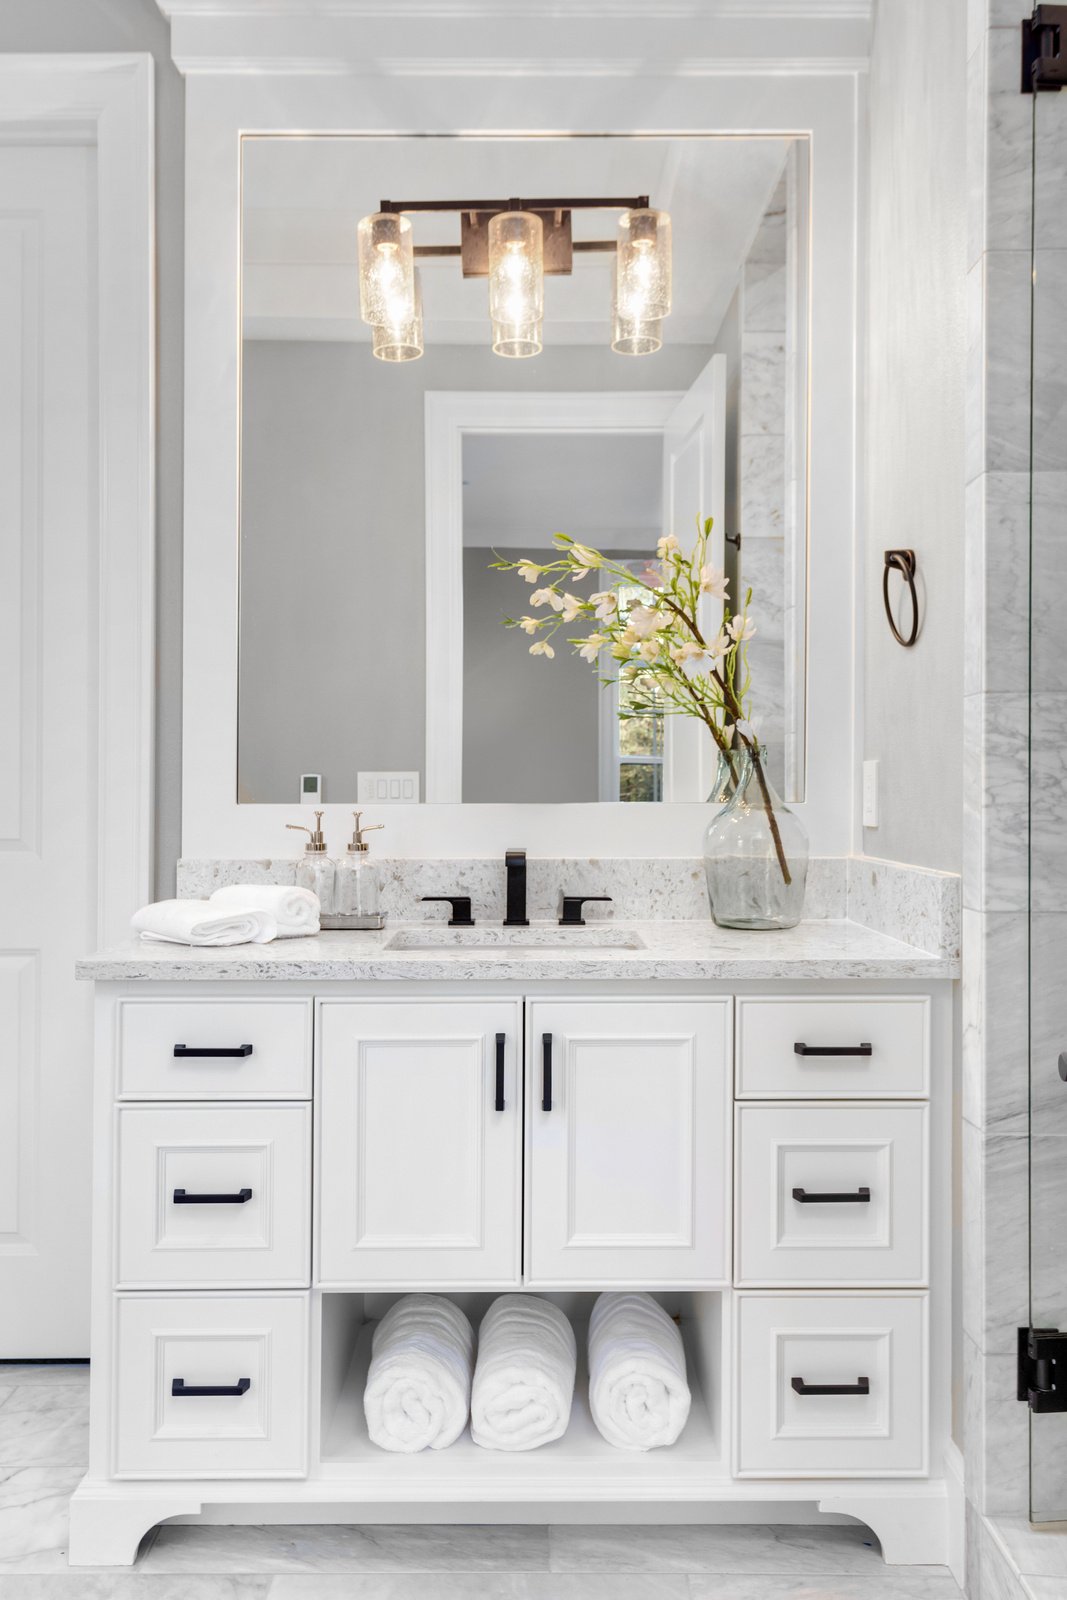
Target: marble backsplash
x=919, y=907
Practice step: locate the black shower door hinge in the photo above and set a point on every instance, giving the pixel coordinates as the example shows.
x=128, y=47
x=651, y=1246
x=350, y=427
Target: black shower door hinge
x=1044, y=64
x=1042, y=1370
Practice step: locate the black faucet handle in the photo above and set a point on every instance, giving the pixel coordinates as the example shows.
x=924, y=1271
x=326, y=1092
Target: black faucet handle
x=572, y=909
x=461, y=909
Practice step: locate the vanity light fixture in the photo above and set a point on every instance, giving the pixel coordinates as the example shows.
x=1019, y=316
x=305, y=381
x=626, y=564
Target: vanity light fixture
x=514, y=243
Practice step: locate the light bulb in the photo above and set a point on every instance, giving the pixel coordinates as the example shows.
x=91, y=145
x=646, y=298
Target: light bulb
x=386, y=270
x=516, y=282
x=643, y=266
x=634, y=336
x=401, y=340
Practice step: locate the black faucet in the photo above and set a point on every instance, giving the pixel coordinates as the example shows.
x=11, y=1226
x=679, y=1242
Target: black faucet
x=515, y=913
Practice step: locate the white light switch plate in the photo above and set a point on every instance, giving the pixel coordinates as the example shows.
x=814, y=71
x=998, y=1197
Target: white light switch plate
x=388, y=788
x=870, y=794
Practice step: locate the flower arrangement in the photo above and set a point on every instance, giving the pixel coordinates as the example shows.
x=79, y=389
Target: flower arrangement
x=655, y=645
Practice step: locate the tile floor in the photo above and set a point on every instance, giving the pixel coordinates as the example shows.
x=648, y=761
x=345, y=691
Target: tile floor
x=43, y=1446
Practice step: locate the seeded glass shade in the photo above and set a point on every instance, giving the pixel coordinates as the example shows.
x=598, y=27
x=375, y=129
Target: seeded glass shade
x=401, y=341
x=386, y=270
x=516, y=282
x=632, y=337
x=643, y=266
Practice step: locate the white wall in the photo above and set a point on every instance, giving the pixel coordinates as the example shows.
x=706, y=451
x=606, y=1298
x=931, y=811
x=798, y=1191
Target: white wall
x=914, y=425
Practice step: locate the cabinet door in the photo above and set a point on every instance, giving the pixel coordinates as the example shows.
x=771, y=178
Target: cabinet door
x=628, y=1143
x=419, y=1167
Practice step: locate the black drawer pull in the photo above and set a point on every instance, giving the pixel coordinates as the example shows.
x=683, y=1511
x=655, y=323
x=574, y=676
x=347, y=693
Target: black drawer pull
x=500, y=1072
x=182, y=1197
x=181, y=1390
x=833, y=1049
x=188, y=1050
x=861, y=1386
x=546, y=1072
x=860, y=1197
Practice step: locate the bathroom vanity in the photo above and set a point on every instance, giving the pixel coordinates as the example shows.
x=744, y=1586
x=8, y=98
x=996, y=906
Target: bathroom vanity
x=288, y=1137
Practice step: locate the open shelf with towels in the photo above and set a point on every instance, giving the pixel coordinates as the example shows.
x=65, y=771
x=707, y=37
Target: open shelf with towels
x=581, y=1463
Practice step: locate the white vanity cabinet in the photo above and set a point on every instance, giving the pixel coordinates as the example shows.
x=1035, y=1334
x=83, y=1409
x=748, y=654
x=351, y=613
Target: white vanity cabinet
x=277, y=1161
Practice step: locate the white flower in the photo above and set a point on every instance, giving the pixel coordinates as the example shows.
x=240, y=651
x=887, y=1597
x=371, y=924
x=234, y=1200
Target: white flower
x=590, y=648
x=649, y=650
x=585, y=556
x=719, y=646
x=606, y=602
x=578, y=573
x=529, y=624
x=643, y=621
x=713, y=580
x=667, y=545
x=542, y=597
x=628, y=637
x=528, y=570
x=741, y=628
x=620, y=650
x=542, y=648
x=572, y=607
x=691, y=651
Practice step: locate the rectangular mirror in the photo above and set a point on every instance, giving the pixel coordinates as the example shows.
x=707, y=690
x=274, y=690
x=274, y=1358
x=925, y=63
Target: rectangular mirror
x=384, y=470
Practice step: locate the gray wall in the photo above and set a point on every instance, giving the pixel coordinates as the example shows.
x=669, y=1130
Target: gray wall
x=914, y=430
x=332, y=540
x=101, y=26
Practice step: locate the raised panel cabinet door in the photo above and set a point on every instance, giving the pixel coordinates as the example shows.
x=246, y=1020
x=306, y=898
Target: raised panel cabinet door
x=628, y=1143
x=420, y=1128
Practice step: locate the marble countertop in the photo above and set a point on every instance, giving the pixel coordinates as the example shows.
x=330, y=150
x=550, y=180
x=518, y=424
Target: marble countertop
x=679, y=951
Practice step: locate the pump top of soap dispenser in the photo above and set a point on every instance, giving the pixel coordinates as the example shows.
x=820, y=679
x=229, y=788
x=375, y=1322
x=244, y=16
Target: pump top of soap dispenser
x=357, y=845
x=317, y=842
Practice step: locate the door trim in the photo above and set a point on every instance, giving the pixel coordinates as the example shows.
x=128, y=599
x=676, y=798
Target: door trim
x=107, y=101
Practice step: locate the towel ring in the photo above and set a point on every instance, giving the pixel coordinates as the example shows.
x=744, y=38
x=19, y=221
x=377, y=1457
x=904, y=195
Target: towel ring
x=902, y=561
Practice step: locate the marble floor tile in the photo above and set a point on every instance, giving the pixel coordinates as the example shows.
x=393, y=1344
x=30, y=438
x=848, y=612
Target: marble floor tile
x=482, y=1586
x=45, y=1425
x=1040, y=1552
x=717, y=1548
x=894, y=1583
x=348, y=1549
x=33, y=1518
x=127, y=1585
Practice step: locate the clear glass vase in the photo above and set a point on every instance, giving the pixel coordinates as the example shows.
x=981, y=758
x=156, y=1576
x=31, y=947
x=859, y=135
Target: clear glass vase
x=755, y=853
x=727, y=774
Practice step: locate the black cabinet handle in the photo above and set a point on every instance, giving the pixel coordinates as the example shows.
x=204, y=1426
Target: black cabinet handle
x=500, y=1072
x=182, y=1197
x=546, y=1072
x=181, y=1390
x=833, y=1050
x=461, y=909
x=572, y=909
x=861, y=1386
x=196, y=1050
x=861, y=1197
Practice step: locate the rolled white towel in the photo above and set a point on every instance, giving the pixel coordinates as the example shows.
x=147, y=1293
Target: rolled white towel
x=419, y=1385
x=524, y=1377
x=638, y=1392
x=198, y=922
x=296, y=911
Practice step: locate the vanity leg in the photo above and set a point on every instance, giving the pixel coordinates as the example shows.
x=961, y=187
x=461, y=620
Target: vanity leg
x=106, y=1527
x=912, y=1529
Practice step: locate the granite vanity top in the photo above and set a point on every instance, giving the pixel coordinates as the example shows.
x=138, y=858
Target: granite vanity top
x=687, y=951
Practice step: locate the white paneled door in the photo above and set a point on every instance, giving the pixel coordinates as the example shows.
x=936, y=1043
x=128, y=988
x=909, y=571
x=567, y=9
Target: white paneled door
x=61, y=517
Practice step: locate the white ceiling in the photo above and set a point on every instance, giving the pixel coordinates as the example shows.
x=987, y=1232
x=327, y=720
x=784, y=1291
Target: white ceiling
x=303, y=198
x=602, y=489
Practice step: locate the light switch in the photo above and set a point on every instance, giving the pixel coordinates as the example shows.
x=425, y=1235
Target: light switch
x=387, y=788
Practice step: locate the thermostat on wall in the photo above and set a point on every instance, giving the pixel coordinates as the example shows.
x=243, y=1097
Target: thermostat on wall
x=310, y=788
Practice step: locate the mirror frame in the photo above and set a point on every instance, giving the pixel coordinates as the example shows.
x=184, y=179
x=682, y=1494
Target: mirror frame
x=693, y=95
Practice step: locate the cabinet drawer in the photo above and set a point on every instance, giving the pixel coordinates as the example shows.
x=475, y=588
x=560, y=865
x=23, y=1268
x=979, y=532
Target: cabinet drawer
x=254, y=1349
x=837, y=1049
x=870, y=1349
x=226, y=1049
x=831, y=1195
x=214, y=1195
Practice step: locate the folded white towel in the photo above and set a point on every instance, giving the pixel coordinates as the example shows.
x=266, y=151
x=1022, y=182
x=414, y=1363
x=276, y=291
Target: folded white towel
x=419, y=1384
x=296, y=911
x=638, y=1393
x=524, y=1377
x=198, y=922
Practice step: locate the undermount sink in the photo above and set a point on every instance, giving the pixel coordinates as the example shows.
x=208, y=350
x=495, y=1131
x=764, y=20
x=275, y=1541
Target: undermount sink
x=513, y=940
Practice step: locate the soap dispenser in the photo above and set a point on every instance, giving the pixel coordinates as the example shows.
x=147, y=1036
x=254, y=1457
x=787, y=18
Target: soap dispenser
x=316, y=871
x=358, y=897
